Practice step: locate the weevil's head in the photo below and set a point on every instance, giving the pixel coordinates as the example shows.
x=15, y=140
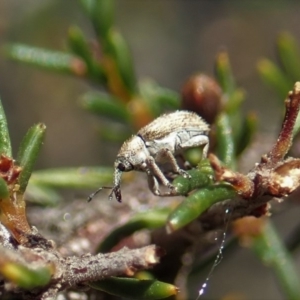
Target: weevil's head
x=123, y=164
x=132, y=154
x=130, y=157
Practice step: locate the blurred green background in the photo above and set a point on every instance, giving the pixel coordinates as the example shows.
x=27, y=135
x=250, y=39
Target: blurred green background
x=170, y=40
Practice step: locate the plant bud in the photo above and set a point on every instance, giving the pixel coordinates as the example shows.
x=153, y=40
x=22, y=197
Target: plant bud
x=202, y=94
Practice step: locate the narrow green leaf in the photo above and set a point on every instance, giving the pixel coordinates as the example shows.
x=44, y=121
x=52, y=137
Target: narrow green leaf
x=83, y=177
x=42, y=195
x=289, y=55
x=24, y=277
x=224, y=74
x=80, y=47
x=193, y=156
x=234, y=102
x=103, y=16
x=225, y=142
x=269, y=248
x=28, y=153
x=4, y=193
x=167, y=98
x=198, y=179
x=117, y=48
x=158, y=99
x=5, y=146
x=147, y=220
x=51, y=60
x=274, y=77
x=131, y=288
x=194, y=205
x=105, y=105
x=88, y=5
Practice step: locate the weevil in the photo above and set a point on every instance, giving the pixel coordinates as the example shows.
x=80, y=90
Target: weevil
x=156, y=144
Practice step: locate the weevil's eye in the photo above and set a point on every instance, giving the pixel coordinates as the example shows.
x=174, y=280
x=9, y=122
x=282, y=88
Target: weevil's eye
x=121, y=167
x=125, y=166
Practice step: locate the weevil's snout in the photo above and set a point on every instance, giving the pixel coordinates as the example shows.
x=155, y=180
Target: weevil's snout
x=117, y=182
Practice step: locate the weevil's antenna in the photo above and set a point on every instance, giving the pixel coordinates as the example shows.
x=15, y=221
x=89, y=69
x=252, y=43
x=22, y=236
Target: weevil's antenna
x=114, y=190
x=91, y=196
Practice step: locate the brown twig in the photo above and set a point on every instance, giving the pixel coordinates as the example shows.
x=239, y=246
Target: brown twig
x=72, y=271
x=283, y=144
x=273, y=177
x=123, y=262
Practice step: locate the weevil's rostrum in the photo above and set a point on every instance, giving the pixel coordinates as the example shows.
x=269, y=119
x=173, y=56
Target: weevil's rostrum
x=158, y=144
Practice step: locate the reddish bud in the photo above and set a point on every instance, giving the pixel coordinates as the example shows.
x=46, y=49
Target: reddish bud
x=202, y=94
x=8, y=170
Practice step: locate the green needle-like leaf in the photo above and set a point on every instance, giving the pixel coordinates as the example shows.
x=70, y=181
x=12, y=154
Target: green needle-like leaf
x=289, y=54
x=5, y=146
x=194, y=205
x=147, y=220
x=269, y=248
x=224, y=74
x=42, y=195
x=24, y=277
x=274, y=77
x=158, y=99
x=51, y=60
x=83, y=177
x=131, y=288
x=28, y=153
x=4, y=193
x=233, y=104
x=107, y=106
x=225, y=142
x=88, y=5
x=198, y=179
x=80, y=47
x=101, y=13
x=117, y=49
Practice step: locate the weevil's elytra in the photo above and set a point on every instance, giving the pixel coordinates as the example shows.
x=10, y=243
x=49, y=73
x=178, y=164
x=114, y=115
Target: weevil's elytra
x=158, y=143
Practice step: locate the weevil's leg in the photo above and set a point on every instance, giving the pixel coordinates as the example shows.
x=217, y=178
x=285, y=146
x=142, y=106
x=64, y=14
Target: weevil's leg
x=153, y=184
x=154, y=170
x=182, y=161
x=154, y=187
x=168, y=154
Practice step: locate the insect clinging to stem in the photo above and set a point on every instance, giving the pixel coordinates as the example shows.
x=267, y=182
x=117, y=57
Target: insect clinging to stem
x=157, y=145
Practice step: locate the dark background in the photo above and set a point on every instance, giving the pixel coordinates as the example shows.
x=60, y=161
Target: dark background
x=170, y=40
